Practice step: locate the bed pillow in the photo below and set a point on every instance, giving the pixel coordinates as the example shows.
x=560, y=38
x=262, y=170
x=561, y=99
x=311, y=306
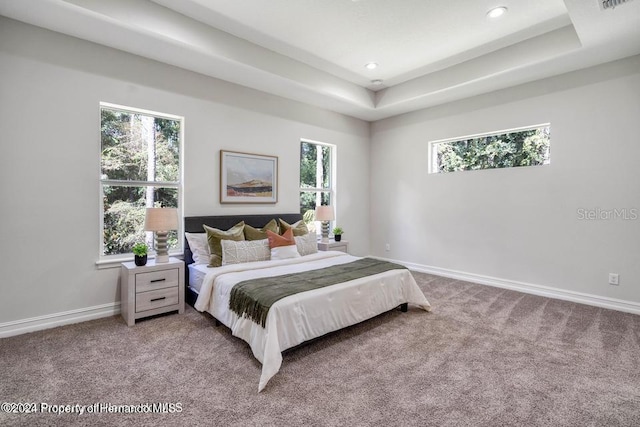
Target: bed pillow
x=252, y=233
x=282, y=247
x=199, y=247
x=307, y=244
x=215, y=236
x=299, y=227
x=236, y=252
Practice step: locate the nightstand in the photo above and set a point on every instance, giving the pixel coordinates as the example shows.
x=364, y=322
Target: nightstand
x=152, y=289
x=332, y=245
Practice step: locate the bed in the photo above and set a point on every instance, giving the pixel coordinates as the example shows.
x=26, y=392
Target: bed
x=296, y=318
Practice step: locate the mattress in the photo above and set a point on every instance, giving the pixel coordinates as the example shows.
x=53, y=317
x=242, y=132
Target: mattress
x=197, y=273
x=307, y=315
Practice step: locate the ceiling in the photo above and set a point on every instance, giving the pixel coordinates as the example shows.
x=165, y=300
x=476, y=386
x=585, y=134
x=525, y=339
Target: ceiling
x=314, y=51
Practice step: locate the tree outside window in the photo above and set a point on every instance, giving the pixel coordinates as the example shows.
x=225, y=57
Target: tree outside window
x=518, y=147
x=316, y=179
x=140, y=168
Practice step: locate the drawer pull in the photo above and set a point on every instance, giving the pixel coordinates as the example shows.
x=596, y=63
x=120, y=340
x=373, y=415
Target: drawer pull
x=157, y=299
x=158, y=280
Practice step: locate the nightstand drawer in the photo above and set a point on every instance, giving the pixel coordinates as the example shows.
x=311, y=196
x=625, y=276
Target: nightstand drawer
x=156, y=299
x=156, y=280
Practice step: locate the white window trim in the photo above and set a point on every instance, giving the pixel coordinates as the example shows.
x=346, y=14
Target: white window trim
x=433, y=157
x=111, y=261
x=332, y=187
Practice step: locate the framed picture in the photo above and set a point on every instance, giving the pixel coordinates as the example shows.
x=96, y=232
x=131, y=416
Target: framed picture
x=248, y=178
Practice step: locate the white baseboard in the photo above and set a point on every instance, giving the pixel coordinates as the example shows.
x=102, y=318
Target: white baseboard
x=32, y=324
x=529, y=288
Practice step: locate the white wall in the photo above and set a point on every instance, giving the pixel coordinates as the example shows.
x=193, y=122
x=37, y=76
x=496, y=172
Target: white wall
x=520, y=224
x=50, y=89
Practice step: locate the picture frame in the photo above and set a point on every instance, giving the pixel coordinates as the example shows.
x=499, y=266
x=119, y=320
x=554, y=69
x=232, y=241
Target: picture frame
x=248, y=178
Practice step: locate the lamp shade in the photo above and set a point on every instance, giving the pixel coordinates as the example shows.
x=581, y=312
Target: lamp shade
x=324, y=213
x=161, y=219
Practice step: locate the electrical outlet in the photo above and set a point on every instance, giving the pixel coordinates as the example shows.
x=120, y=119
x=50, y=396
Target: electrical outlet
x=387, y=247
x=614, y=279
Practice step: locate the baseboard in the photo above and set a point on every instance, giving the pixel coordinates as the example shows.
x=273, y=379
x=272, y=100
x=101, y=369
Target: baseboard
x=48, y=321
x=529, y=288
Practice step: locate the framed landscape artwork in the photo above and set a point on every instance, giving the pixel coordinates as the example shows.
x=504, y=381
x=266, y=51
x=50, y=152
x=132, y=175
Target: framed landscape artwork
x=248, y=178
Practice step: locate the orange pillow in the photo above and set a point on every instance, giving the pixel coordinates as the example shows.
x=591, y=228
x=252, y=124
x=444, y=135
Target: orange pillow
x=276, y=241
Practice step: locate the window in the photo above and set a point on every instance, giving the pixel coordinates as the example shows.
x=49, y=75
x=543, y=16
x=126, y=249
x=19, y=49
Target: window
x=317, y=181
x=140, y=168
x=516, y=147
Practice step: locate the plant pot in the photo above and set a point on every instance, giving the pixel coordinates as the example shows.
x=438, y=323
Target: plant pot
x=337, y=237
x=140, y=260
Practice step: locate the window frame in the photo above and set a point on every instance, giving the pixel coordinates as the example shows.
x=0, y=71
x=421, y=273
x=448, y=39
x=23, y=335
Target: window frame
x=433, y=155
x=113, y=260
x=332, y=182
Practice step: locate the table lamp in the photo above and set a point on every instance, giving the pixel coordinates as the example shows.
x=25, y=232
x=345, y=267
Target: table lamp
x=325, y=214
x=161, y=220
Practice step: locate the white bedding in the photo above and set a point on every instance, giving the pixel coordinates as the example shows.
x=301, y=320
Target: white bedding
x=307, y=315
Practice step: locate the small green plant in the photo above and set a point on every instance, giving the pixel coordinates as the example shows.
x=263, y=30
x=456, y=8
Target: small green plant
x=140, y=249
x=338, y=231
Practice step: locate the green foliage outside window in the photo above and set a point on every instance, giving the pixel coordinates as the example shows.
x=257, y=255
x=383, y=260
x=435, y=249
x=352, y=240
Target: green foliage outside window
x=315, y=165
x=140, y=166
x=512, y=149
x=315, y=179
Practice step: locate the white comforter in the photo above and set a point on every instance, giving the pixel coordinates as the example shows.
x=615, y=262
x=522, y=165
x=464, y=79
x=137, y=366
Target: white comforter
x=301, y=317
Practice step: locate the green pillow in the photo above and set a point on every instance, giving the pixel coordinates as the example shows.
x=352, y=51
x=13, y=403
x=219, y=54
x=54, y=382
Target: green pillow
x=299, y=228
x=214, y=236
x=252, y=233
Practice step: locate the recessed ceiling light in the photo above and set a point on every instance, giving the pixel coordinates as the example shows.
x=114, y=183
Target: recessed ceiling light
x=371, y=65
x=497, y=11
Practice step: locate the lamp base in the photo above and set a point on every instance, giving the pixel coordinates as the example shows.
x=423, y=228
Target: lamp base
x=162, y=258
x=162, y=254
x=325, y=231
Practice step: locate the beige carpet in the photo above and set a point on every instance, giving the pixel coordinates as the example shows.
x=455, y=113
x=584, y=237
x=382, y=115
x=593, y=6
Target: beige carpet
x=483, y=357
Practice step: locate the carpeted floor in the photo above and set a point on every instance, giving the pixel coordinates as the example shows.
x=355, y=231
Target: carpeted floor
x=484, y=357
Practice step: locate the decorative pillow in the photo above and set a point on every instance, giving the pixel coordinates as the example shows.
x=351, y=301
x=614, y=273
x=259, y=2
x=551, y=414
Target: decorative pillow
x=214, y=236
x=199, y=247
x=307, y=244
x=282, y=247
x=234, y=252
x=299, y=227
x=251, y=233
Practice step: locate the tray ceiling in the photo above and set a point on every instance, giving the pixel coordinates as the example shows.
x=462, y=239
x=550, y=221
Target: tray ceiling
x=315, y=51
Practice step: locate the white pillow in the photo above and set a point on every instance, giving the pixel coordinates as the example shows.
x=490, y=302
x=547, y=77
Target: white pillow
x=307, y=244
x=236, y=252
x=284, y=252
x=199, y=247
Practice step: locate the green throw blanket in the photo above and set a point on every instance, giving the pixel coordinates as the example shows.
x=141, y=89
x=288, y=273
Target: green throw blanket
x=253, y=298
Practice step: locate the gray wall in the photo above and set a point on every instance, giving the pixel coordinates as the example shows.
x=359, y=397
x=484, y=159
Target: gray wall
x=520, y=224
x=50, y=91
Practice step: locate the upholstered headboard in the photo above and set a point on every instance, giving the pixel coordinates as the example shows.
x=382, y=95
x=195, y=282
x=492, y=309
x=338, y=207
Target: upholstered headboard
x=193, y=224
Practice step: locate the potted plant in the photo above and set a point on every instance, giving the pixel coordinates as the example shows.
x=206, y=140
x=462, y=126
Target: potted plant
x=337, y=234
x=140, y=254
